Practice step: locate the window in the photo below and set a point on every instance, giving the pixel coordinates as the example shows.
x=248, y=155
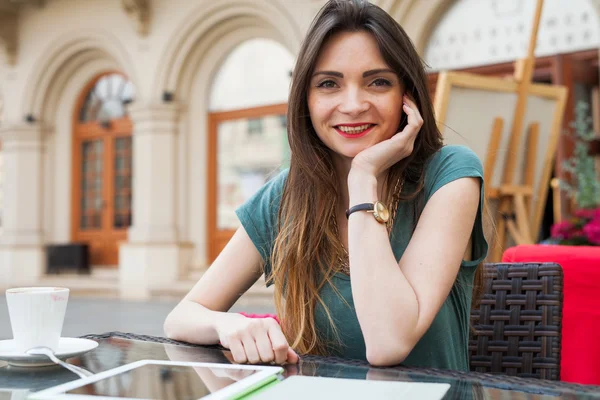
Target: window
x=256, y=73
x=255, y=126
x=248, y=132
x=107, y=99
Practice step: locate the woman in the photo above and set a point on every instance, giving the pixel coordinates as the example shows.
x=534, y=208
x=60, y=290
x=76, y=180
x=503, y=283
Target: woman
x=351, y=280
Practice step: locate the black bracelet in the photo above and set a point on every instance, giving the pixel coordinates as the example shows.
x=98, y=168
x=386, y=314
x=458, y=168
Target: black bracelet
x=359, y=207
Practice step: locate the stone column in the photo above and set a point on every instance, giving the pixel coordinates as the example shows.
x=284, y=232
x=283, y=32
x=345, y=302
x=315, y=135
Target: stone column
x=22, y=260
x=153, y=257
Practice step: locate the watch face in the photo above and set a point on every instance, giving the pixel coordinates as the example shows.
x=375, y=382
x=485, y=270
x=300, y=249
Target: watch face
x=381, y=212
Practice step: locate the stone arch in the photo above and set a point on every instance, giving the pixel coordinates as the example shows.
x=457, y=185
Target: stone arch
x=199, y=48
x=51, y=93
x=194, y=92
x=206, y=27
x=418, y=18
x=57, y=66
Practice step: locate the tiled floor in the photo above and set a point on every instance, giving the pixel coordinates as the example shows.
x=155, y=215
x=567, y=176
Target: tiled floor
x=89, y=315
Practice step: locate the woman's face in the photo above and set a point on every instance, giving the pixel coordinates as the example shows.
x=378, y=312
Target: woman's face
x=354, y=99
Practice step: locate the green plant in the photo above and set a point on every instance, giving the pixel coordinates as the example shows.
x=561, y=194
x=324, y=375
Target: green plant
x=585, y=186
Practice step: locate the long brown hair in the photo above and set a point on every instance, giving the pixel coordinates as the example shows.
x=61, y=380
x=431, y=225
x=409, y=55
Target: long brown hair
x=307, y=249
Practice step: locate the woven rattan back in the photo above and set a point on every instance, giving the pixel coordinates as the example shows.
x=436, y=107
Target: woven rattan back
x=517, y=327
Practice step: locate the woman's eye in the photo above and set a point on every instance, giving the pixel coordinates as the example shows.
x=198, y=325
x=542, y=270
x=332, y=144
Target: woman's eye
x=381, y=82
x=326, y=84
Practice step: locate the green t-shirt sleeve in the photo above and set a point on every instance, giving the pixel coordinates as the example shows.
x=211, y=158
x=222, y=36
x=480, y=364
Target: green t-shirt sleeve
x=259, y=216
x=449, y=164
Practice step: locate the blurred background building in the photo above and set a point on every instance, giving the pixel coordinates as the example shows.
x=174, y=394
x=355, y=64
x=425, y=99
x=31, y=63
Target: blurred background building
x=136, y=127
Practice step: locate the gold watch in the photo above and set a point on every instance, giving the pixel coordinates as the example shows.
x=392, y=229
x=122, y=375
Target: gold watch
x=379, y=210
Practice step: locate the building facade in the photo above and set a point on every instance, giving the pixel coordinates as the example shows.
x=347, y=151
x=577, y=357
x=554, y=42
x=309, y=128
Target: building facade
x=138, y=126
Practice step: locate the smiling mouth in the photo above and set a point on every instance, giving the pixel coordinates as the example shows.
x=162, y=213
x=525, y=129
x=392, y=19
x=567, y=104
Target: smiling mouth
x=354, y=130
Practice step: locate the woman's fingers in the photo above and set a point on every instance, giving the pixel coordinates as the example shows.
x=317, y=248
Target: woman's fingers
x=412, y=111
x=405, y=139
x=237, y=351
x=265, y=349
x=292, y=356
x=261, y=342
x=279, y=343
x=250, y=349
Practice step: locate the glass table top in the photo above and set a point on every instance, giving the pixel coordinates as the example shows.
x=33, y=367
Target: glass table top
x=114, y=351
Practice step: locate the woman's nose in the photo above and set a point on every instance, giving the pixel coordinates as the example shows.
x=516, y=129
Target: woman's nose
x=353, y=102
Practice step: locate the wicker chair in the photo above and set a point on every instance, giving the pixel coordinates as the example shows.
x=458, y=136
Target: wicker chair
x=517, y=327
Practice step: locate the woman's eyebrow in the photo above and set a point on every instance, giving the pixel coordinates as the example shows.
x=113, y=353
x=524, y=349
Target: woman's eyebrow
x=329, y=73
x=365, y=74
x=377, y=71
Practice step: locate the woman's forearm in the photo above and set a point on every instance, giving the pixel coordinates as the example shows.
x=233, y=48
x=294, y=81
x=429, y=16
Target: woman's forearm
x=386, y=304
x=193, y=323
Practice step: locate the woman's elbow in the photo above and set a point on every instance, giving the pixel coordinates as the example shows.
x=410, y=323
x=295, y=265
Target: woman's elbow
x=385, y=356
x=169, y=327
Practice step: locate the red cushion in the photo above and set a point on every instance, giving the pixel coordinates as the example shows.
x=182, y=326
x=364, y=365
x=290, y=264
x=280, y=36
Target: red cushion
x=580, y=357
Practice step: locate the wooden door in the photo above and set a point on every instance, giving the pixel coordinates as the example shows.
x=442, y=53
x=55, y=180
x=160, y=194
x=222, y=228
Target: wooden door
x=102, y=168
x=245, y=149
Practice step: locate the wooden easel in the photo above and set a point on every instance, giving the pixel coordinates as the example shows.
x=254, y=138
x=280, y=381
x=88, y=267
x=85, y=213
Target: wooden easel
x=515, y=200
x=518, y=216
x=514, y=217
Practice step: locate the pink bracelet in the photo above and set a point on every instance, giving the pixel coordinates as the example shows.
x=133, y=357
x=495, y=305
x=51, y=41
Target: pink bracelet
x=261, y=316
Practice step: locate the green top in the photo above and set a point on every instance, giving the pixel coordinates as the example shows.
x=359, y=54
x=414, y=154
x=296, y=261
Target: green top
x=445, y=344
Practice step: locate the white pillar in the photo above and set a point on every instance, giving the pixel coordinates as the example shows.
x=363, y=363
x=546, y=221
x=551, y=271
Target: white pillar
x=153, y=257
x=22, y=259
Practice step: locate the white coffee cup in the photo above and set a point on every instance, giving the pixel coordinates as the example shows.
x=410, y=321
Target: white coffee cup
x=37, y=315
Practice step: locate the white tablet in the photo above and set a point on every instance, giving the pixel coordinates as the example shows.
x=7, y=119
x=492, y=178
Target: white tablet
x=153, y=379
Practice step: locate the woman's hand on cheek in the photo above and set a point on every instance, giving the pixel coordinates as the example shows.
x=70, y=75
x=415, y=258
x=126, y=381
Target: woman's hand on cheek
x=378, y=158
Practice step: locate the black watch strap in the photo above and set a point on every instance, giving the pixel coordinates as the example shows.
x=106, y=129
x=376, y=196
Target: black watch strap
x=359, y=207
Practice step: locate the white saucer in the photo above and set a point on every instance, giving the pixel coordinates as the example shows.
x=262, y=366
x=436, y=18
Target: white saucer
x=67, y=348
